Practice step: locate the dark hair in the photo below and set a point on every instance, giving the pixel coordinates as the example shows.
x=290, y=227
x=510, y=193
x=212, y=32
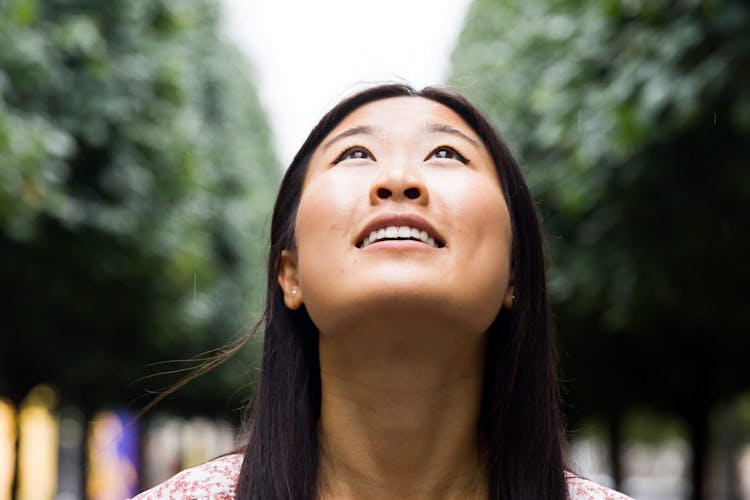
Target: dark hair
x=520, y=421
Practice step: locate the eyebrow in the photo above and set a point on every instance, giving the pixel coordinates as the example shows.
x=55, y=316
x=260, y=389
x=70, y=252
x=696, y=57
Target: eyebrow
x=447, y=129
x=362, y=129
x=440, y=128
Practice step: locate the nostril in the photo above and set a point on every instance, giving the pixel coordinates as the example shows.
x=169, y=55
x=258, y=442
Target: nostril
x=384, y=193
x=412, y=193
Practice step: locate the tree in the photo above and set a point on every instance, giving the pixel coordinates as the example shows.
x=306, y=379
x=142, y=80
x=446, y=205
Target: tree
x=136, y=173
x=630, y=120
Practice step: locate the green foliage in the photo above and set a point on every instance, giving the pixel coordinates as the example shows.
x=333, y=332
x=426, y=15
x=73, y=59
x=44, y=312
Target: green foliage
x=631, y=120
x=136, y=173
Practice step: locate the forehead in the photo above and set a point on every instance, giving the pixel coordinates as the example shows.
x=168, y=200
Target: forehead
x=395, y=114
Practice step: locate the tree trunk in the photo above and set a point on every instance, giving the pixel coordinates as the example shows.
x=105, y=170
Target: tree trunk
x=699, y=444
x=614, y=436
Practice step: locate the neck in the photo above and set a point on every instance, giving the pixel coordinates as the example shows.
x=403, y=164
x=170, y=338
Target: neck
x=399, y=415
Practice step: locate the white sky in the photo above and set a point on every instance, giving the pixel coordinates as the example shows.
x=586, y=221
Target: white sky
x=307, y=55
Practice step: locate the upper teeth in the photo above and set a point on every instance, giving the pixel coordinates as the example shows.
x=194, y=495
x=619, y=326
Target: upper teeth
x=399, y=232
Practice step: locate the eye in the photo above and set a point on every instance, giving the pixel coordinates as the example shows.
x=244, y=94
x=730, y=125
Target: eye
x=354, y=153
x=447, y=153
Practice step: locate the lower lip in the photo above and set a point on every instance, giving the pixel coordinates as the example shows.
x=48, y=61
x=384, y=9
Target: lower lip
x=398, y=245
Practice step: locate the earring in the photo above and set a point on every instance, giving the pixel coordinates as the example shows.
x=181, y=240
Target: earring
x=293, y=292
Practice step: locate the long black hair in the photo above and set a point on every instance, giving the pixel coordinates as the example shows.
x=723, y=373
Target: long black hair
x=520, y=420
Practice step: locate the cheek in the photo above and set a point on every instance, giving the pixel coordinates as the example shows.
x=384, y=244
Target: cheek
x=481, y=215
x=319, y=213
x=485, y=231
x=324, y=219
x=492, y=222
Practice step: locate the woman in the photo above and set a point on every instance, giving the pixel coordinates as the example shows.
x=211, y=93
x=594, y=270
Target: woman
x=408, y=348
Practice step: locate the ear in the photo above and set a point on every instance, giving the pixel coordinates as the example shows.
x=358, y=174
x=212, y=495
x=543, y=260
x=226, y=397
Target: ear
x=289, y=279
x=510, y=298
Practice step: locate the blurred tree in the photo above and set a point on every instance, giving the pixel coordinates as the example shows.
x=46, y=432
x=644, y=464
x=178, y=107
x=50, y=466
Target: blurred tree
x=136, y=172
x=631, y=121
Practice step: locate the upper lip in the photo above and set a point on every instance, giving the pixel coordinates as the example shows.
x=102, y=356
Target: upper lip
x=411, y=220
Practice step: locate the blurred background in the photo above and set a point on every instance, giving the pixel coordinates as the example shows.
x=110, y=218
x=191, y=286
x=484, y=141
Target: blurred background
x=142, y=143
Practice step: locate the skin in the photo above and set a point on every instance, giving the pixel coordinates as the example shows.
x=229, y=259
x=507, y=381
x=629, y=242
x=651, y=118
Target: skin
x=402, y=324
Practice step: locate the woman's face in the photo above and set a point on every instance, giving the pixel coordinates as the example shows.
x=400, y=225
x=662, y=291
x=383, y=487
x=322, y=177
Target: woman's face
x=401, y=220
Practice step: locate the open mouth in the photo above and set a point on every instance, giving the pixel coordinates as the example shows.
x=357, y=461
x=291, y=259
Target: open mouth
x=391, y=233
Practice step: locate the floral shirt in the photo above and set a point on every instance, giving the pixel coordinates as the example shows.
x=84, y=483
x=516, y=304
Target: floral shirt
x=217, y=479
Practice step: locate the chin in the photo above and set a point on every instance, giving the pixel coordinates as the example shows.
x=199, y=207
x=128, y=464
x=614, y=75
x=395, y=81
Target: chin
x=396, y=307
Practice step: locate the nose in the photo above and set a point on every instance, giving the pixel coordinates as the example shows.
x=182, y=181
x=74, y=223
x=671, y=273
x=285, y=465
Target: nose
x=399, y=184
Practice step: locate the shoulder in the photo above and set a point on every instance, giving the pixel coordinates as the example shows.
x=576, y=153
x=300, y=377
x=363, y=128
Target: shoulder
x=215, y=480
x=583, y=489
